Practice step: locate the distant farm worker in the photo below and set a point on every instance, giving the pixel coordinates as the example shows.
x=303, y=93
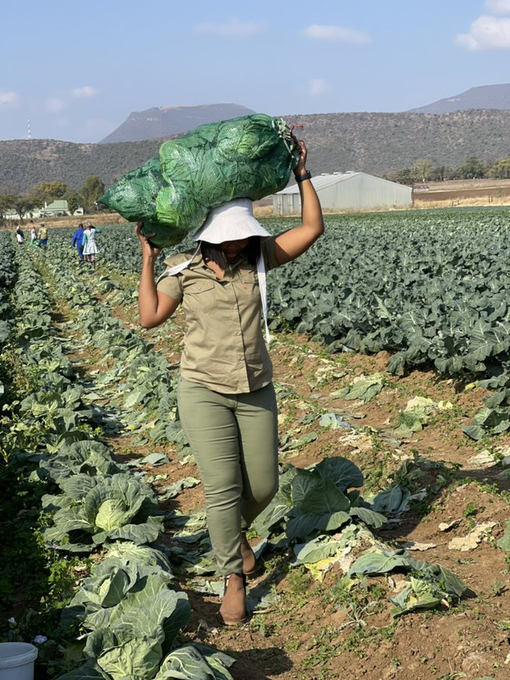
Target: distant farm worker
x=78, y=241
x=43, y=236
x=20, y=236
x=89, y=244
x=33, y=233
x=227, y=403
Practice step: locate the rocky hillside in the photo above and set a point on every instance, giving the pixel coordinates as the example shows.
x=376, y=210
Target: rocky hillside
x=23, y=163
x=369, y=142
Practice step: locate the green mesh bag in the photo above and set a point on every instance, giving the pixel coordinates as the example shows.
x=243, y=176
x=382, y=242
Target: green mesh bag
x=247, y=157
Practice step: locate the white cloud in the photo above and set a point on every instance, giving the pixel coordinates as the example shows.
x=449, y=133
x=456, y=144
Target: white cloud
x=337, y=34
x=8, y=99
x=486, y=33
x=54, y=104
x=233, y=29
x=317, y=87
x=86, y=91
x=498, y=6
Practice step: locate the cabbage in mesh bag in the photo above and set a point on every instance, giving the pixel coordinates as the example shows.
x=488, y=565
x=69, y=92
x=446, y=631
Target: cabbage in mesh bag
x=247, y=157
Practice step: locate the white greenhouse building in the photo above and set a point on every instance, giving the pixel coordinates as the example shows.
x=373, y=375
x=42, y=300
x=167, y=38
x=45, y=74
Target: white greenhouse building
x=347, y=191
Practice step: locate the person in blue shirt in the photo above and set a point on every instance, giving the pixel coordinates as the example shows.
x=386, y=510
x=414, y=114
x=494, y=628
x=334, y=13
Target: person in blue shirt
x=78, y=241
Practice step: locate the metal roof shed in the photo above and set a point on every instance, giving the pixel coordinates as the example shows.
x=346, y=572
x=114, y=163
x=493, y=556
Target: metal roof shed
x=347, y=191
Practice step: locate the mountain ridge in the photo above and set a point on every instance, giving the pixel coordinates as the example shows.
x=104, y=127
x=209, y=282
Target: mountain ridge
x=169, y=120
x=480, y=97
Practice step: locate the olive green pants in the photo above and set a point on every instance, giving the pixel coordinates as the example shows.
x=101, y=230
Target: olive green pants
x=234, y=438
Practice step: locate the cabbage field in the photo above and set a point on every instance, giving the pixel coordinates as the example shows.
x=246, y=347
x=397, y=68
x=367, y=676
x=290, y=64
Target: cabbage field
x=392, y=369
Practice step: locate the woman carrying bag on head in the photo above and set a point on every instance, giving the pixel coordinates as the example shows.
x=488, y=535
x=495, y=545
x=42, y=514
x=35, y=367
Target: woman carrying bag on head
x=227, y=404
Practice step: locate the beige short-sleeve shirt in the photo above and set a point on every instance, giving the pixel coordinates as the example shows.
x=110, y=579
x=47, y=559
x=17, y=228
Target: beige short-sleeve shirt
x=224, y=347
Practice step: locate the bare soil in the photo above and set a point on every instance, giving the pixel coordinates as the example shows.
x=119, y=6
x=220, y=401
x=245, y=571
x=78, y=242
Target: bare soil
x=476, y=192
x=469, y=184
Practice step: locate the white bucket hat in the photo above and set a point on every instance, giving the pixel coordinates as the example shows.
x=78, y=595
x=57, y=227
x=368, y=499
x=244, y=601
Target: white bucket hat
x=232, y=221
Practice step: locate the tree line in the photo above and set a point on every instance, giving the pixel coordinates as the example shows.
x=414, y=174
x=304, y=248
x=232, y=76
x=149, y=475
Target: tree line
x=424, y=170
x=47, y=192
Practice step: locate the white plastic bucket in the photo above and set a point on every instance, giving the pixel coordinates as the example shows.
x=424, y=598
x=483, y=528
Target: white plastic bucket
x=17, y=660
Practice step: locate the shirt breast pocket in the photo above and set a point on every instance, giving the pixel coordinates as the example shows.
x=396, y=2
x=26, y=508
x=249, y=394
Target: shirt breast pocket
x=200, y=296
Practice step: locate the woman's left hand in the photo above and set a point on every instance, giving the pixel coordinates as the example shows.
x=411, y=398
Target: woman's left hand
x=300, y=168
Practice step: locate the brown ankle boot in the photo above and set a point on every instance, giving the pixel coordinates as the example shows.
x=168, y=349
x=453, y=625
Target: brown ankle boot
x=233, y=607
x=249, y=560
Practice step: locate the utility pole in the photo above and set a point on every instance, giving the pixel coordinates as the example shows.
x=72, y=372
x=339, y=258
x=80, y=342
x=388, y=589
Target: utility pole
x=29, y=134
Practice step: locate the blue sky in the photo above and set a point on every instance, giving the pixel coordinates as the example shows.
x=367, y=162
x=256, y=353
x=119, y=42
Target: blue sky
x=77, y=69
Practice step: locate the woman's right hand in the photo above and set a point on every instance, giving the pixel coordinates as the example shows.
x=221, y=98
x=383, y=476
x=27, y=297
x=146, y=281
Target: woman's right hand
x=149, y=251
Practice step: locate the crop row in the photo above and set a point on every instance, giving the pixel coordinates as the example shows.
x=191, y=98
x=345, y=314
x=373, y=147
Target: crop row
x=127, y=604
